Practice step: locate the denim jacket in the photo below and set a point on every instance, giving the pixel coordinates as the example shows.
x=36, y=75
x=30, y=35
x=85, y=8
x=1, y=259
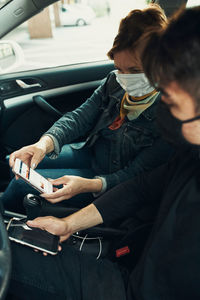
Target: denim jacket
x=118, y=154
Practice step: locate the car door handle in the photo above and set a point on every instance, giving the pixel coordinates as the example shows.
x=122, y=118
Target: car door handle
x=24, y=85
x=45, y=106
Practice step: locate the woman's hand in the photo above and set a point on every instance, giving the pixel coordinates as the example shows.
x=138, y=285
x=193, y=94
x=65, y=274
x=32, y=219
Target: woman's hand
x=33, y=154
x=72, y=185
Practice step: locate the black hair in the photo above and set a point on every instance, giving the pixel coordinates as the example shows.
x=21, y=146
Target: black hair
x=174, y=53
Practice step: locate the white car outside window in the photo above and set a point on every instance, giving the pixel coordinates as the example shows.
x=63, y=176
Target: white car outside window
x=77, y=15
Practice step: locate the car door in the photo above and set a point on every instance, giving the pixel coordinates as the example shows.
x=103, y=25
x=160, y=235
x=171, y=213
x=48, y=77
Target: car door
x=33, y=97
x=32, y=101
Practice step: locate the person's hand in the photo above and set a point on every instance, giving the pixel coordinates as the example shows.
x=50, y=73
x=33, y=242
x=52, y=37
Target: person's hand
x=57, y=226
x=72, y=185
x=64, y=227
x=33, y=154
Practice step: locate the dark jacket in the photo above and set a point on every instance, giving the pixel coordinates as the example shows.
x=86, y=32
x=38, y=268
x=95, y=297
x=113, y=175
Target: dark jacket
x=169, y=266
x=117, y=154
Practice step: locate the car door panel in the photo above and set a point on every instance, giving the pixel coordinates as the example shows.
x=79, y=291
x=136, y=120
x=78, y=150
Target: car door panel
x=24, y=120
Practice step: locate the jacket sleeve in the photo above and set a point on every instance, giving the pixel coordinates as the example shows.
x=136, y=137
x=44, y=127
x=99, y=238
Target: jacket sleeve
x=131, y=196
x=146, y=160
x=79, y=122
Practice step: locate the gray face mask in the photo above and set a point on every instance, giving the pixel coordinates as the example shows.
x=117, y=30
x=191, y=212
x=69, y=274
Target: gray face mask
x=136, y=85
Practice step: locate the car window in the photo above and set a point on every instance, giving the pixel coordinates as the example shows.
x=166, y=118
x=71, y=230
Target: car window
x=192, y=3
x=4, y=2
x=67, y=33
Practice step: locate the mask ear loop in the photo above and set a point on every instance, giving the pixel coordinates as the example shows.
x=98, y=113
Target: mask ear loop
x=190, y=120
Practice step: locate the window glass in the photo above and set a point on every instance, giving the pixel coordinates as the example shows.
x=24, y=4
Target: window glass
x=192, y=3
x=4, y=2
x=70, y=31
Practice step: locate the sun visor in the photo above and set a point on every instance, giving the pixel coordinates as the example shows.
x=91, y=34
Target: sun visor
x=21, y=10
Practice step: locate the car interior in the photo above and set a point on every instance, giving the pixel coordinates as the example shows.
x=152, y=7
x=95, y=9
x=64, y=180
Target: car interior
x=31, y=101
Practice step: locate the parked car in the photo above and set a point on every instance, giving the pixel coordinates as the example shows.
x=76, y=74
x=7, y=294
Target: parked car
x=78, y=15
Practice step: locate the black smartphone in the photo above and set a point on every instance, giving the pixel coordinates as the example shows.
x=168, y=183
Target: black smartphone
x=36, y=238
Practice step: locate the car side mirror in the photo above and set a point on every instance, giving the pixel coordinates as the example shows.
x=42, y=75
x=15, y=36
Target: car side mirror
x=11, y=56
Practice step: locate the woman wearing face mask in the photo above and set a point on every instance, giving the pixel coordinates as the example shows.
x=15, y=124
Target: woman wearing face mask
x=117, y=123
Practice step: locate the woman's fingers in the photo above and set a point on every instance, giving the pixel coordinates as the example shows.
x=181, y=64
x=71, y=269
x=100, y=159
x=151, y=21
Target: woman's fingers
x=58, y=195
x=59, y=199
x=12, y=159
x=58, y=181
x=36, y=158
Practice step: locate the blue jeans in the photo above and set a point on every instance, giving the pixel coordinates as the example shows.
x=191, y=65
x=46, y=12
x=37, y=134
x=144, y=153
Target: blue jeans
x=69, y=162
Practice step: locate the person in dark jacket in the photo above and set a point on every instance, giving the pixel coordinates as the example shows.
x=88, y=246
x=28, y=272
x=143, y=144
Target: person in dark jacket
x=117, y=122
x=169, y=266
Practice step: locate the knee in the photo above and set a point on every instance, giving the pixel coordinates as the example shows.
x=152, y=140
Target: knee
x=13, y=196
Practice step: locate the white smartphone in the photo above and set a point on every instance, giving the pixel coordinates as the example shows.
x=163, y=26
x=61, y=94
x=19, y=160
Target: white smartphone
x=32, y=237
x=32, y=177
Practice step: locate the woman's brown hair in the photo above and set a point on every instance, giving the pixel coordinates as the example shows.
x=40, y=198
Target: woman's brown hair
x=136, y=28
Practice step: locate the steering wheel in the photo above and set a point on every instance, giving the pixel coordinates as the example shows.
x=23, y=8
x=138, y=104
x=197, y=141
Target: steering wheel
x=5, y=259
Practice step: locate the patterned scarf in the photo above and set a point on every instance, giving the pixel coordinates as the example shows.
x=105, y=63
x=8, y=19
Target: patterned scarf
x=132, y=107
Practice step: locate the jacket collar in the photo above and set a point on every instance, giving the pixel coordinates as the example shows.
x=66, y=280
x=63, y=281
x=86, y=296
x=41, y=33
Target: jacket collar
x=150, y=112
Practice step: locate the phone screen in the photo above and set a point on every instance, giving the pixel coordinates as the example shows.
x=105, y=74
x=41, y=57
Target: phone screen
x=36, y=238
x=32, y=177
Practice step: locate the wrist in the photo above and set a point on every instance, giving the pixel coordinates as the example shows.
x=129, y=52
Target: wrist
x=85, y=218
x=104, y=186
x=92, y=185
x=70, y=225
x=46, y=144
